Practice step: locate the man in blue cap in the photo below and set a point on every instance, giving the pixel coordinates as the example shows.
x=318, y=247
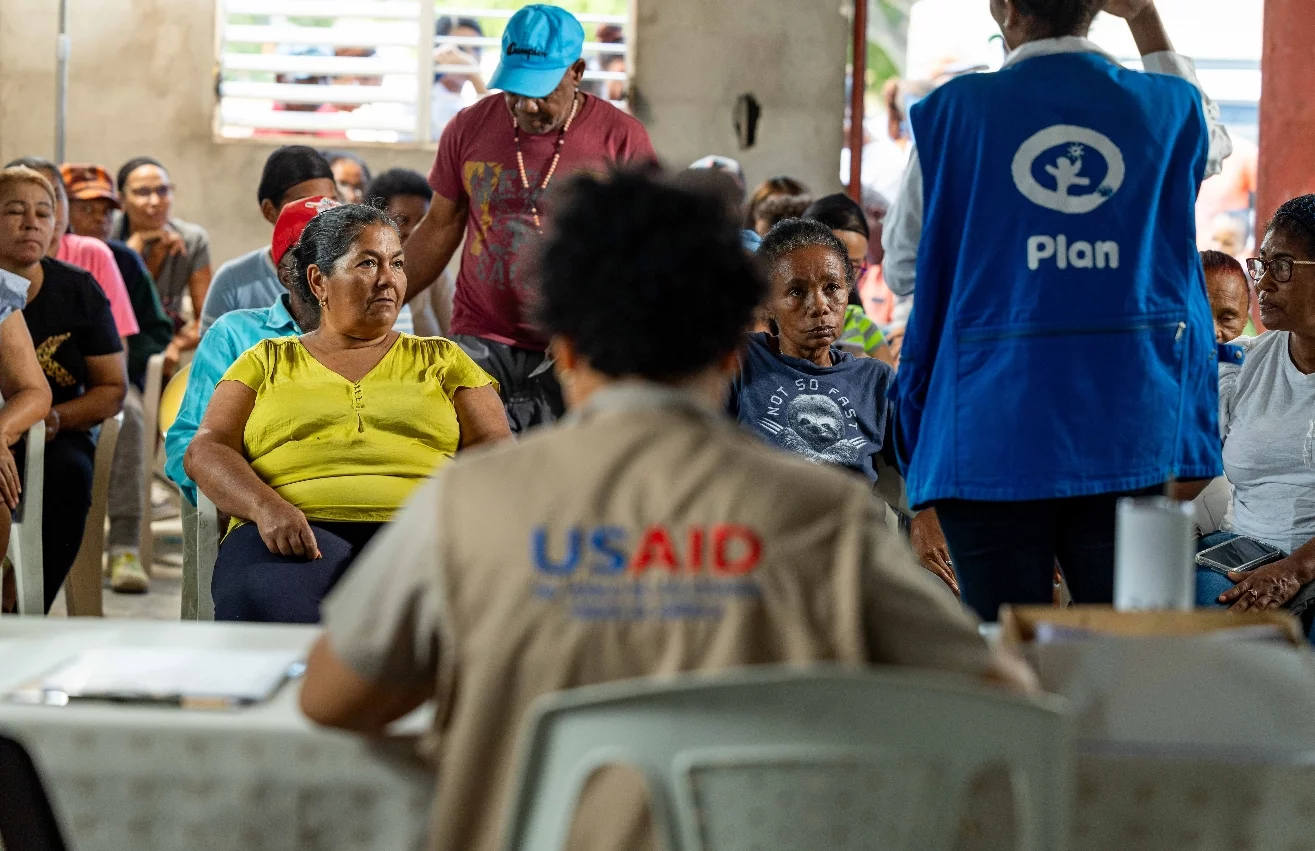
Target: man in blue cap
x=495, y=163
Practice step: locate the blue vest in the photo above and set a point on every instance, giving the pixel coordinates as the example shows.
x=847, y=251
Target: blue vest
x=1061, y=343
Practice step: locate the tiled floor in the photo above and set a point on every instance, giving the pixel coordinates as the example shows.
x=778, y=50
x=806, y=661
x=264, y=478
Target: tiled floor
x=164, y=600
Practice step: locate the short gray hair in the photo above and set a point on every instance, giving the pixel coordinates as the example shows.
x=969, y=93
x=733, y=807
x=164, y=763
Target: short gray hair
x=790, y=235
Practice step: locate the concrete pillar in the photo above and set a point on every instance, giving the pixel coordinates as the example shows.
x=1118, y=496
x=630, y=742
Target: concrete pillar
x=692, y=61
x=1287, y=111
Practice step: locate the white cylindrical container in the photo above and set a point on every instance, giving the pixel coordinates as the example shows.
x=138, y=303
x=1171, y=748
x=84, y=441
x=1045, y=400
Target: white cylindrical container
x=1154, y=559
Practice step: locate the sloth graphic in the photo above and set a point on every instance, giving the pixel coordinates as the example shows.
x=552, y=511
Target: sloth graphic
x=815, y=429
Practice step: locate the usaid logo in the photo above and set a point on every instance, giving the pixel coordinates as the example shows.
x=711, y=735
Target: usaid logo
x=1069, y=169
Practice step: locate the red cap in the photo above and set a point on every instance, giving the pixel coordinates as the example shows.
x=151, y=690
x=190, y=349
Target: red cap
x=293, y=220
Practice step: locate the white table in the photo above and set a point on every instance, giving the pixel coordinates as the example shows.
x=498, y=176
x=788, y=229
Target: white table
x=1193, y=744
x=263, y=777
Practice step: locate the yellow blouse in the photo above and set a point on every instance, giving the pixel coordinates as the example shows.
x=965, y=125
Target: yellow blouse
x=352, y=452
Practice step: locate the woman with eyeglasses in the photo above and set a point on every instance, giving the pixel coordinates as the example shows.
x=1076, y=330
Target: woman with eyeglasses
x=177, y=253
x=1267, y=420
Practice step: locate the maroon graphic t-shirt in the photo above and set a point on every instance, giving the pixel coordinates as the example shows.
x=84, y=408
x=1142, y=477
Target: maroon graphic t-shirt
x=476, y=163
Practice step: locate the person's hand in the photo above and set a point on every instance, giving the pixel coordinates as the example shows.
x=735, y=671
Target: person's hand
x=11, y=486
x=450, y=54
x=166, y=240
x=895, y=339
x=1267, y=587
x=286, y=531
x=170, y=242
x=172, y=353
x=1127, y=9
x=53, y=423
x=928, y=542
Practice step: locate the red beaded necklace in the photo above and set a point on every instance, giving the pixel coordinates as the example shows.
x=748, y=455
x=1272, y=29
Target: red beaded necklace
x=552, y=167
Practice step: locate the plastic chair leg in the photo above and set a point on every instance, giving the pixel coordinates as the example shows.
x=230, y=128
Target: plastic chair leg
x=84, y=587
x=25, y=547
x=207, y=551
x=150, y=446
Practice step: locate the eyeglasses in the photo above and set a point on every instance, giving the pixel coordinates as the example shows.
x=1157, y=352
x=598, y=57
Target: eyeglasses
x=1280, y=269
x=144, y=192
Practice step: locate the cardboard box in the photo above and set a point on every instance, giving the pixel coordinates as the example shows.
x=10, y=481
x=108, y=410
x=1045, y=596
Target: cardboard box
x=1018, y=624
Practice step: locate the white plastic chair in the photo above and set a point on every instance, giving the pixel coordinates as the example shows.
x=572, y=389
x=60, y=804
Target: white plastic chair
x=1211, y=506
x=25, y=535
x=151, y=391
x=84, y=586
x=201, y=536
x=768, y=757
x=206, y=552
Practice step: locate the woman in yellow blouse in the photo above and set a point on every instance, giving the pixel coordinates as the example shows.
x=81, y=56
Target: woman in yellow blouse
x=312, y=443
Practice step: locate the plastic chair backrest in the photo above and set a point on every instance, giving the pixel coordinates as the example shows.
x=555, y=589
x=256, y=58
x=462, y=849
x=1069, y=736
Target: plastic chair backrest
x=160, y=406
x=171, y=400
x=25, y=548
x=767, y=757
x=27, y=820
x=1211, y=506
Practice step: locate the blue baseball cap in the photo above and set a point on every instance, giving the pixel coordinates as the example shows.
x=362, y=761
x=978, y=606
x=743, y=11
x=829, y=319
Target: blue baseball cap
x=538, y=46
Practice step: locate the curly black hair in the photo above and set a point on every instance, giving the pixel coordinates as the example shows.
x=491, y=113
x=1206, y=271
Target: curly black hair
x=1062, y=17
x=1296, y=218
x=397, y=181
x=646, y=276
x=327, y=239
x=792, y=234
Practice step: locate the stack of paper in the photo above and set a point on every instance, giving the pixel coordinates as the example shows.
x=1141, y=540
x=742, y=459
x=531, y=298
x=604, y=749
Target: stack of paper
x=168, y=675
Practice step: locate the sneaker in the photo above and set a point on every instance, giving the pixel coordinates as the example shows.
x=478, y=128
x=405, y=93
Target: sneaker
x=127, y=575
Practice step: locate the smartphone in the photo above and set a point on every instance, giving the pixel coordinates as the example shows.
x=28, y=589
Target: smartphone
x=1239, y=554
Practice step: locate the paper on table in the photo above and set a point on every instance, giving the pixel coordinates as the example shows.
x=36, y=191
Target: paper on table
x=1049, y=633
x=169, y=674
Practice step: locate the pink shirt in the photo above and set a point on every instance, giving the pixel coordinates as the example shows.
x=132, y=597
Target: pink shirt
x=96, y=257
x=476, y=164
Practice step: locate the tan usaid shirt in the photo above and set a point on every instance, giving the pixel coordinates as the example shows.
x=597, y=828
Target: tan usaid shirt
x=645, y=535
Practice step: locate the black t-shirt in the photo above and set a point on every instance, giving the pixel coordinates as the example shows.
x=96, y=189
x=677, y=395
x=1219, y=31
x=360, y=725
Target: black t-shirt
x=70, y=321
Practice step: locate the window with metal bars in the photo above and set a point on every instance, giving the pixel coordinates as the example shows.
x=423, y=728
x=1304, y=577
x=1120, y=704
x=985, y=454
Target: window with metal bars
x=352, y=71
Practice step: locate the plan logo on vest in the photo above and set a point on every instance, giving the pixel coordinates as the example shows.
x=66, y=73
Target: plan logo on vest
x=1085, y=167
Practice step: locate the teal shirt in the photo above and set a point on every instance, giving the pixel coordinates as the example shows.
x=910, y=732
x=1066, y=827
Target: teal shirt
x=225, y=341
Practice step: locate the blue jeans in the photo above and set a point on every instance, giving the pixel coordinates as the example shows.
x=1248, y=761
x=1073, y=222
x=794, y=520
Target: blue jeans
x=1209, y=584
